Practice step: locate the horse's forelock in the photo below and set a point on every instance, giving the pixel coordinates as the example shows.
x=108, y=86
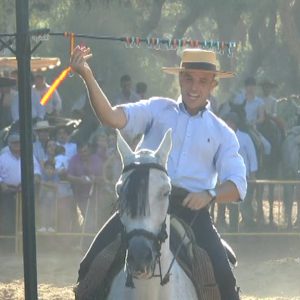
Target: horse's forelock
x=133, y=197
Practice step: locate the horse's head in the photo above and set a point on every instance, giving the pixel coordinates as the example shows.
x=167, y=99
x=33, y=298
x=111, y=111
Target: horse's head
x=143, y=190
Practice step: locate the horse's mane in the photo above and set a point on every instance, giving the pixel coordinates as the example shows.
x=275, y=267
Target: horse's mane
x=133, y=197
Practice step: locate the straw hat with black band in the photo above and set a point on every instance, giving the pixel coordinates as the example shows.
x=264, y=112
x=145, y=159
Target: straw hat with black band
x=42, y=125
x=193, y=60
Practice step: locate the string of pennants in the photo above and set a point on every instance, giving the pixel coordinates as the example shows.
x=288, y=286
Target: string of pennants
x=40, y=35
x=221, y=47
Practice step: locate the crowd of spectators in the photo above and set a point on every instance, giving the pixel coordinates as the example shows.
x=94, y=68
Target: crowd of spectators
x=74, y=178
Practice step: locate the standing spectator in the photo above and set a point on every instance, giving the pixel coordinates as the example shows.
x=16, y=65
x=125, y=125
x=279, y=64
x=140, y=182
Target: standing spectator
x=254, y=106
x=51, y=151
x=40, y=87
x=84, y=171
x=37, y=108
x=48, y=197
x=269, y=100
x=63, y=139
x=213, y=104
x=141, y=90
x=127, y=94
x=66, y=208
x=42, y=132
x=248, y=152
x=111, y=171
x=5, y=100
x=10, y=183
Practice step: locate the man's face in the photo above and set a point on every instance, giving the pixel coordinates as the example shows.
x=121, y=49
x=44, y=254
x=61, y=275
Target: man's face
x=250, y=90
x=39, y=81
x=43, y=135
x=126, y=86
x=15, y=148
x=195, y=89
x=62, y=135
x=49, y=170
x=51, y=147
x=84, y=152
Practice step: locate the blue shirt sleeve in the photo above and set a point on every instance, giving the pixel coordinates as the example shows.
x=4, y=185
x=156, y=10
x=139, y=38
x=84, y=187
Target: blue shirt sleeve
x=139, y=118
x=229, y=163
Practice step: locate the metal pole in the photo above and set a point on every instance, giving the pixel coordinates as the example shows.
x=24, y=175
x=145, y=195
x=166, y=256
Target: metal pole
x=25, y=107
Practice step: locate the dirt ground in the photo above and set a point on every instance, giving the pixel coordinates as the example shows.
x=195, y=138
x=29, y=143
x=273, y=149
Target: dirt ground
x=269, y=268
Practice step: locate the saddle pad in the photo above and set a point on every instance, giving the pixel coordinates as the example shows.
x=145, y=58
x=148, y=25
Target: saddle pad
x=97, y=277
x=194, y=260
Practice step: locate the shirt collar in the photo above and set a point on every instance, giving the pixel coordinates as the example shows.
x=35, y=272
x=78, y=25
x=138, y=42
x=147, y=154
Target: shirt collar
x=182, y=107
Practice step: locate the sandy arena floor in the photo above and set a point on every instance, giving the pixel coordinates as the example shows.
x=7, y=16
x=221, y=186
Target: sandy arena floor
x=269, y=268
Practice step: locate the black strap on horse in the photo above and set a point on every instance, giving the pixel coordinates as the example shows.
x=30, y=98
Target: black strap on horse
x=177, y=196
x=136, y=165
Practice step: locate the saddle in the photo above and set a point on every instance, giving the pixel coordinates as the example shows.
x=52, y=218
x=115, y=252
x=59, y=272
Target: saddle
x=194, y=261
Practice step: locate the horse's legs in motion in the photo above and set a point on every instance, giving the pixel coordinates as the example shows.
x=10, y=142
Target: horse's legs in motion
x=221, y=220
x=297, y=193
x=246, y=207
x=260, y=218
x=233, y=217
x=288, y=200
x=271, y=189
x=297, y=222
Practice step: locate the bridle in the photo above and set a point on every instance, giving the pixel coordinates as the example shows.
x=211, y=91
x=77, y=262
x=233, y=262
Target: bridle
x=158, y=239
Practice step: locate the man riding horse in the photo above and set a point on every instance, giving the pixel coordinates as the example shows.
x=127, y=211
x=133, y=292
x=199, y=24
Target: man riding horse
x=204, y=149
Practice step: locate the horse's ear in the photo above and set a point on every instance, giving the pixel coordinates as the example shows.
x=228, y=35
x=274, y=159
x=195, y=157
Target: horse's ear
x=164, y=148
x=124, y=150
x=139, y=144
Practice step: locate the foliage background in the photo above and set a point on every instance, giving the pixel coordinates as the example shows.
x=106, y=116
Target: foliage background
x=267, y=32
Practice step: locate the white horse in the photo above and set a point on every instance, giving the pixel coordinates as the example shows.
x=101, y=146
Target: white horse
x=143, y=189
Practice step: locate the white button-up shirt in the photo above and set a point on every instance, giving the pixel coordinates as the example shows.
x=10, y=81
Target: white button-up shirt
x=70, y=149
x=10, y=168
x=204, y=148
x=247, y=151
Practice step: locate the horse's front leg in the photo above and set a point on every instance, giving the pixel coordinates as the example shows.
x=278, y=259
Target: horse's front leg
x=288, y=200
x=271, y=188
x=297, y=198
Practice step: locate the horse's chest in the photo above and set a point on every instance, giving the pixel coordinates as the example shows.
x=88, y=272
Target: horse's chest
x=178, y=288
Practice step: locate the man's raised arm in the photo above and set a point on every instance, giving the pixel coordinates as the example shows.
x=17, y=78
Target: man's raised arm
x=108, y=115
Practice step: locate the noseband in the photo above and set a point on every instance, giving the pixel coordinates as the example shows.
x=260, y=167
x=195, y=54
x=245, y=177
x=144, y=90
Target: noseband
x=156, y=239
